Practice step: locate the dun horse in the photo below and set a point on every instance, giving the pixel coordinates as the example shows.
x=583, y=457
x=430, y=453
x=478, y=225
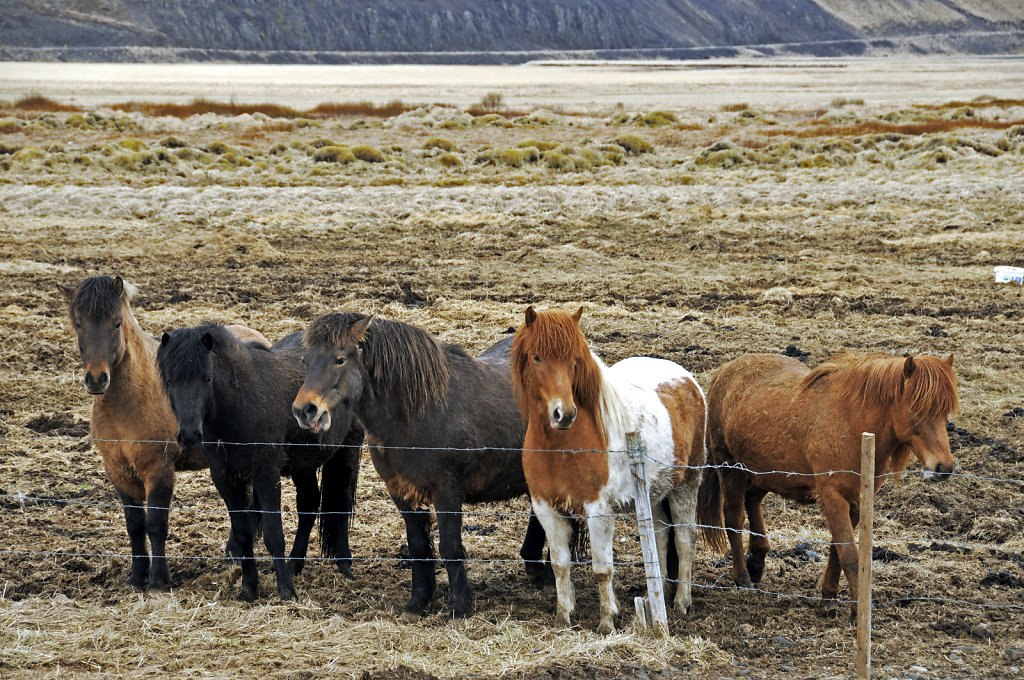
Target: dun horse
x=769, y=416
x=574, y=455
x=231, y=398
x=132, y=424
x=442, y=428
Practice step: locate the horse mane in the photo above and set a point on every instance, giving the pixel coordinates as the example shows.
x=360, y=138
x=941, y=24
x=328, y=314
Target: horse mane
x=555, y=334
x=930, y=389
x=400, y=359
x=183, y=356
x=94, y=298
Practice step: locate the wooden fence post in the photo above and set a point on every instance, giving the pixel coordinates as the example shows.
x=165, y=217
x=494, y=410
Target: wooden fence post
x=648, y=544
x=867, y=505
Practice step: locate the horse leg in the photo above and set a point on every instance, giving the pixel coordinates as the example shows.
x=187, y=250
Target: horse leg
x=532, y=552
x=602, y=538
x=133, y=497
x=453, y=554
x=838, y=514
x=267, y=487
x=238, y=501
x=159, y=490
x=307, y=502
x=337, y=499
x=683, y=505
x=830, y=582
x=758, y=544
x=421, y=553
x=558, y=530
x=734, y=487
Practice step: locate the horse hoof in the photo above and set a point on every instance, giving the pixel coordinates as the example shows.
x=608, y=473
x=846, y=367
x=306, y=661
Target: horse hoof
x=745, y=582
x=562, y=621
x=549, y=589
x=409, y=617
x=345, y=570
x=161, y=585
x=606, y=628
x=296, y=566
x=247, y=594
x=287, y=594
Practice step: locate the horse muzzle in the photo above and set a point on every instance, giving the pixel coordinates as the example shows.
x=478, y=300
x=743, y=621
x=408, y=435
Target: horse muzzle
x=312, y=417
x=98, y=383
x=941, y=472
x=562, y=420
x=189, y=438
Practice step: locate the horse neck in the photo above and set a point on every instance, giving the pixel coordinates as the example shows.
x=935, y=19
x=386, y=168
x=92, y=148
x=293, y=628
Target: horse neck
x=381, y=416
x=135, y=377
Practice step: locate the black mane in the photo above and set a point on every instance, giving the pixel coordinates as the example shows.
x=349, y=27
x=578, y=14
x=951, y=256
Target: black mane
x=401, y=359
x=182, y=355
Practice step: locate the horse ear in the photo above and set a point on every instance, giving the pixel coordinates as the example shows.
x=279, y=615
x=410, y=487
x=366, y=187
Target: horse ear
x=164, y=339
x=118, y=285
x=208, y=340
x=357, y=331
x=531, y=315
x=908, y=367
x=576, y=317
x=949, y=360
x=68, y=291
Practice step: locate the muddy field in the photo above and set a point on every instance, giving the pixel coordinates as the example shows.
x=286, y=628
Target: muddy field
x=693, y=234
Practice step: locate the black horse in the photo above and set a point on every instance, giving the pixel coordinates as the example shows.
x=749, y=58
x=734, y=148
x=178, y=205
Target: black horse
x=232, y=399
x=443, y=430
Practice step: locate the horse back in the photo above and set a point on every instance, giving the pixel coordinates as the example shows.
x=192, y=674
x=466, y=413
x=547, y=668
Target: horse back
x=669, y=411
x=759, y=416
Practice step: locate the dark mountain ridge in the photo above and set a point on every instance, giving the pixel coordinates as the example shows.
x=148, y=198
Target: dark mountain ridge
x=506, y=31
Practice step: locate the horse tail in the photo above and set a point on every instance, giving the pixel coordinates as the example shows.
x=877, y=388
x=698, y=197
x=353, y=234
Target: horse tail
x=338, y=478
x=709, y=511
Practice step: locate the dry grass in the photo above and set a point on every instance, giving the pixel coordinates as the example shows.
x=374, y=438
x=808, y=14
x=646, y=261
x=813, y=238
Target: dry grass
x=820, y=129
x=693, y=262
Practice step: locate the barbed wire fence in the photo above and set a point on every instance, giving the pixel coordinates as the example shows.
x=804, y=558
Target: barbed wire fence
x=19, y=500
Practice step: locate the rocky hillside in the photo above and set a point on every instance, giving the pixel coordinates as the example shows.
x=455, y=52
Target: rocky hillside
x=498, y=31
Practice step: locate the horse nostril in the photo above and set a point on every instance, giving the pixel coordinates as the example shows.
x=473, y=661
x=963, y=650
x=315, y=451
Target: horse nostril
x=557, y=413
x=310, y=410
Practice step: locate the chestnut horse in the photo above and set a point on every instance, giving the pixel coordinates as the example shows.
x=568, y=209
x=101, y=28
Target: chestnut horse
x=769, y=415
x=442, y=429
x=132, y=424
x=578, y=411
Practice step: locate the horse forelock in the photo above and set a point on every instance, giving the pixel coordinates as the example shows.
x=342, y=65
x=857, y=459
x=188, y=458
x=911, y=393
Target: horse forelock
x=331, y=331
x=183, y=356
x=930, y=390
x=95, y=299
x=555, y=335
x=405, y=361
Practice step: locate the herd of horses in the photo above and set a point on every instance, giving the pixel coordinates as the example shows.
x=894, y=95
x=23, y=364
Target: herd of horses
x=538, y=413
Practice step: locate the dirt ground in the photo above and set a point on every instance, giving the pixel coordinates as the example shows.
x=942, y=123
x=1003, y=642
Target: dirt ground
x=795, y=230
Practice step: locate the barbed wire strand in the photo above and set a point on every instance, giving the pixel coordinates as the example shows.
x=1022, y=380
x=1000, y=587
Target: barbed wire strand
x=739, y=466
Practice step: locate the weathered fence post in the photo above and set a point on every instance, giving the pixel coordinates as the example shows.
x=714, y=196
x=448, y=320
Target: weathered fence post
x=867, y=505
x=648, y=544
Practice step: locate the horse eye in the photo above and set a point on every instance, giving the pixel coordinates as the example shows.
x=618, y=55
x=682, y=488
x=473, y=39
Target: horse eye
x=208, y=379
x=536, y=359
x=339, y=361
x=117, y=324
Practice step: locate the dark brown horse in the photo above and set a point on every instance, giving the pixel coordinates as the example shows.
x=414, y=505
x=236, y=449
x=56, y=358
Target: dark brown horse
x=773, y=416
x=443, y=430
x=230, y=400
x=132, y=424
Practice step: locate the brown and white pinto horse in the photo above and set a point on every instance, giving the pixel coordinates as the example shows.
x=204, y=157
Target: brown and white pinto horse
x=578, y=412
x=132, y=424
x=768, y=413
